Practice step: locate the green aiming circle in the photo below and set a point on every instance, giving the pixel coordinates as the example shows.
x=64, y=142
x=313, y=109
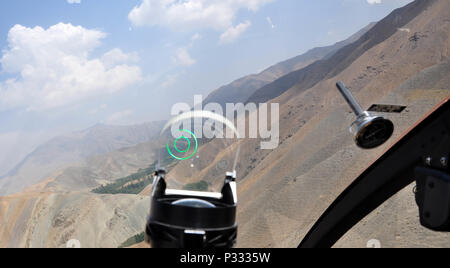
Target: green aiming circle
x=185, y=150
x=176, y=141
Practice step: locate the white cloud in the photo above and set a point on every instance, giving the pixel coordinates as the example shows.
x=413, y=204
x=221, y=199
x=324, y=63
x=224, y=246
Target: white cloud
x=120, y=118
x=169, y=80
x=191, y=14
x=74, y=1
x=183, y=58
x=116, y=57
x=269, y=21
x=233, y=33
x=196, y=37
x=99, y=109
x=51, y=67
x=372, y=2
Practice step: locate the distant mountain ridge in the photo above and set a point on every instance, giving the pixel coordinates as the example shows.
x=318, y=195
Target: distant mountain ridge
x=241, y=89
x=74, y=147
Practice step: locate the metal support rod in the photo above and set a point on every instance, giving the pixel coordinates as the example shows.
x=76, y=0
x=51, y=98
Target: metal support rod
x=356, y=107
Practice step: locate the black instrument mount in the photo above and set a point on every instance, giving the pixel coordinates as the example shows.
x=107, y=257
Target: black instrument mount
x=192, y=220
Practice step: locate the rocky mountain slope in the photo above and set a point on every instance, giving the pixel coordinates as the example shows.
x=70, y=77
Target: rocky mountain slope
x=292, y=185
x=44, y=219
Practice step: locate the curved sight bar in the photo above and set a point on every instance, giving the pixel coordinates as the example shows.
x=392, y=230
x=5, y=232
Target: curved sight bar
x=203, y=115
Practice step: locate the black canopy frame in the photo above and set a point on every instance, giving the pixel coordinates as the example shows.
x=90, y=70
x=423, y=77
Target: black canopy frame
x=423, y=145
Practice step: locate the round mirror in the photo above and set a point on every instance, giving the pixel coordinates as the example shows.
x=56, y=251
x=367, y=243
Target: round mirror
x=371, y=132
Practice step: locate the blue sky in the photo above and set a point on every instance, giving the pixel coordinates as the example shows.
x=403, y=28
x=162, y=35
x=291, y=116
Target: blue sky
x=67, y=66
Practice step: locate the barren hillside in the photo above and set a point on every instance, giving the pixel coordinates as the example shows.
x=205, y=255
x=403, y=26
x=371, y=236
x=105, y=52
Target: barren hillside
x=40, y=219
x=294, y=184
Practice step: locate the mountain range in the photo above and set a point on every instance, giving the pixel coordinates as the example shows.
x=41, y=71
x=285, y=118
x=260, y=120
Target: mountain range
x=65, y=151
